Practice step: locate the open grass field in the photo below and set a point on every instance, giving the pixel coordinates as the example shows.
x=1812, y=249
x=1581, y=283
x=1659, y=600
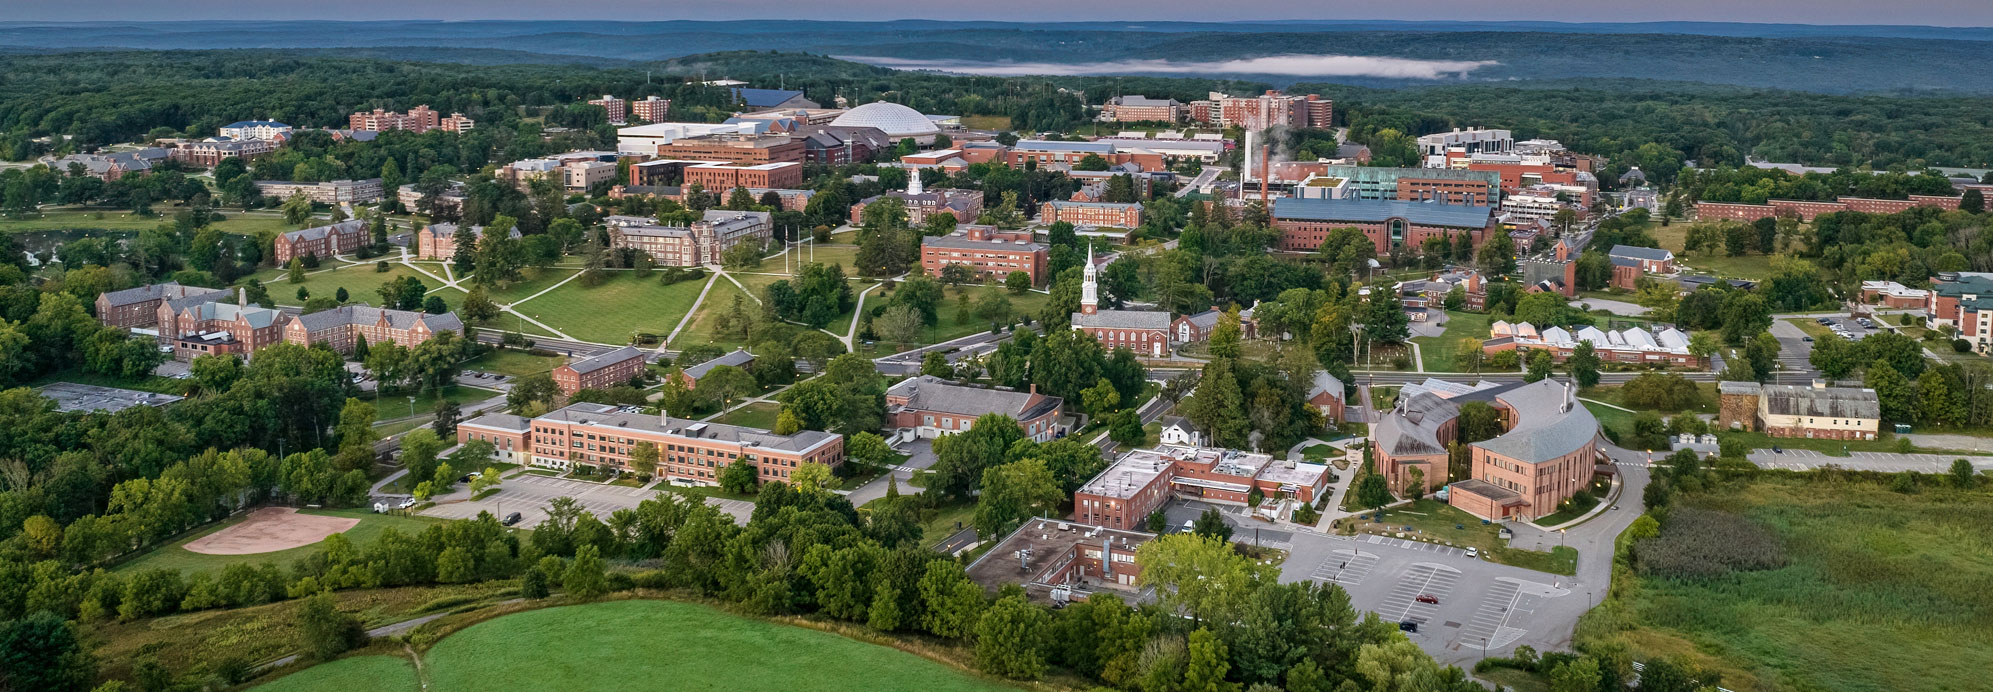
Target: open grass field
x=361, y=282
x=948, y=327
x=760, y=414
x=1613, y=394
x=398, y=406
x=71, y=218
x=986, y=122
x=1880, y=591
x=506, y=361
x=531, y=281
x=645, y=645
x=1442, y=352
x=611, y=312
x=704, y=328
x=356, y=673
x=175, y=555
x=1753, y=267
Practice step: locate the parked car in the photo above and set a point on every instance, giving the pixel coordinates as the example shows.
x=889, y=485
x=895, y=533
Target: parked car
x=1825, y=320
x=405, y=504
x=1807, y=339
x=1473, y=552
x=1427, y=598
x=512, y=518
x=1409, y=626
x=1189, y=525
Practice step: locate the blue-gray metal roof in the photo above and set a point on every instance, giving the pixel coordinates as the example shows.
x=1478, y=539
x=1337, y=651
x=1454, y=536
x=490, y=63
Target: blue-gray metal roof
x=1047, y=145
x=1642, y=253
x=1379, y=211
x=764, y=97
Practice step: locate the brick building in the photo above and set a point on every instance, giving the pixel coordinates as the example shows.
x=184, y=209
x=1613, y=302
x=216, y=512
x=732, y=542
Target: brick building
x=1138, y=109
x=208, y=154
x=1327, y=394
x=105, y=167
x=1059, y=561
x=1547, y=452
x=746, y=149
x=139, y=307
x=1274, y=109
x=992, y=253
x=1785, y=410
x=720, y=178
x=838, y=145
x=932, y=407
x=651, y=109
x=438, y=241
x=324, y=241
x=201, y=325
x=1890, y=294
x=328, y=192
x=254, y=129
x=1305, y=223
x=340, y=326
x=1119, y=215
x=1140, y=482
x=600, y=371
x=1145, y=332
x=1408, y=184
x=617, y=109
x=603, y=436
x=1964, y=302
x=703, y=242
x=964, y=205
x=1805, y=210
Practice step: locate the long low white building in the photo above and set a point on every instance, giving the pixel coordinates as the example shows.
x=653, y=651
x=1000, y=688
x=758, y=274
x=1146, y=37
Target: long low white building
x=1659, y=345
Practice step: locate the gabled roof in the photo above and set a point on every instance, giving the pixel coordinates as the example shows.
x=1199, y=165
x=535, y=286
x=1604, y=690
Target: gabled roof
x=604, y=360
x=163, y=291
x=317, y=232
x=1122, y=319
x=1824, y=402
x=1326, y=383
x=737, y=358
x=930, y=393
x=1642, y=253
x=613, y=416
x=368, y=315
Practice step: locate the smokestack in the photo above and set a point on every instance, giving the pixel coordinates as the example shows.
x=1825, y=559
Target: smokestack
x=1263, y=179
x=1246, y=171
x=241, y=298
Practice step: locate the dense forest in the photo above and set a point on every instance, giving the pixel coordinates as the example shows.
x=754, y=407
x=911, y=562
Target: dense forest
x=100, y=98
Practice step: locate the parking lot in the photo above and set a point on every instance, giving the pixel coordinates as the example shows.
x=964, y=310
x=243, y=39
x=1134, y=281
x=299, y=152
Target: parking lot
x=1848, y=326
x=529, y=495
x=1459, y=604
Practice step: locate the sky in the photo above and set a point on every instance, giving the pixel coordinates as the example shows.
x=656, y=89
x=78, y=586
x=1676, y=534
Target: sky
x=1899, y=12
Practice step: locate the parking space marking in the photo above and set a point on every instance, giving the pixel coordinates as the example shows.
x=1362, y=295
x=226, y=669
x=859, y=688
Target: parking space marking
x=1423, y=579
x=1504, y=603
x=1345, y=567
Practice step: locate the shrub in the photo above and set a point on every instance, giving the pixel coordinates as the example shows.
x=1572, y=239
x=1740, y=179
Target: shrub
x=1698, y=543
x=1960, y=345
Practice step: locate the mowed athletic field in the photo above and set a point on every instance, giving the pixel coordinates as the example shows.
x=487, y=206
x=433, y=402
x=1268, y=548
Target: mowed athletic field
x=642, y=645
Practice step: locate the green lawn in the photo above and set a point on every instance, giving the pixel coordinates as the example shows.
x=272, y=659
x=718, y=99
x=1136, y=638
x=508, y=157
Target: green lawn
x=532, y=281
x=704, y=327
x=648, y=645
x=842, y=255
x=948, y=328
x=357, y=673
x=175, y=556
x=760, y=414
x=612, y=312
x=506, y=361
x=398, y=406
x=1516, y=680
x=1753, y=267
x=1880, y=590
x=361, y=282
x=1433, y=521
x=123, y=220
x=1442, y=352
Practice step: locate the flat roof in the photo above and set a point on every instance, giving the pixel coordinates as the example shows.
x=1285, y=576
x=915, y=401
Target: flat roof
x=1048, y=541
x=71, y=396
x=1378, y=211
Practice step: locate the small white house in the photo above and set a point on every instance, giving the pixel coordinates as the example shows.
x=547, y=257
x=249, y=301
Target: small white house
x=1179, y=431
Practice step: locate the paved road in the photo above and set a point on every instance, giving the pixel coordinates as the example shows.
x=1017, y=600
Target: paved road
x=1392, y=377
x=908, y=362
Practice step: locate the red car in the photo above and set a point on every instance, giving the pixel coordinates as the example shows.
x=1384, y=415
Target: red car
x=1428, y=598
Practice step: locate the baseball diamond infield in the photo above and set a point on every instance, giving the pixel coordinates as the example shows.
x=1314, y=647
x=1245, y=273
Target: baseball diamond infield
x=271, y=529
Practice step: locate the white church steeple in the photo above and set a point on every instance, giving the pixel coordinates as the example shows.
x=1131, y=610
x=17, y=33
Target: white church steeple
x=913, y=181
x=1090, y=285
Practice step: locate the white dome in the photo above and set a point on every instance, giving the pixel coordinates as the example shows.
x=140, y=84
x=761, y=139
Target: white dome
x=896, y=120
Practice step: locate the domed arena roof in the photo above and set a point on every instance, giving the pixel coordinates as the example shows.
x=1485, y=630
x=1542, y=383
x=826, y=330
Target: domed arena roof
x=895, y=120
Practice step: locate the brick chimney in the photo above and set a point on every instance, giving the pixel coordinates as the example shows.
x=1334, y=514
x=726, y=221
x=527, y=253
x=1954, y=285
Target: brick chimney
x=241, y=298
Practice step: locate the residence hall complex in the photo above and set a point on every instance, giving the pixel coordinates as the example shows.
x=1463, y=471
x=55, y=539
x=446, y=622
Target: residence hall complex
x=1138, y=109
x=1305, y=223
x=1145, y=332
x=603, y=436
x=990, y=252
x=1137, y=484
x=342, y=326
x=931, y=407
x=720, y=178
x=701, y=243
x=1787, y=410
x=1267, y=110
x=328, y=192
x=138, y=308
x=418, y=120
x=212, y=324
x=1963, y=301
x=1805, y=211
x=1547, y=453
x=599, y=372
x=322, y=241
x=438, y=241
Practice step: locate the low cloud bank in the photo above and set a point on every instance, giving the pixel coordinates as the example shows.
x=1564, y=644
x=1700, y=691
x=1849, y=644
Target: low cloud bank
x=1285, y=65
